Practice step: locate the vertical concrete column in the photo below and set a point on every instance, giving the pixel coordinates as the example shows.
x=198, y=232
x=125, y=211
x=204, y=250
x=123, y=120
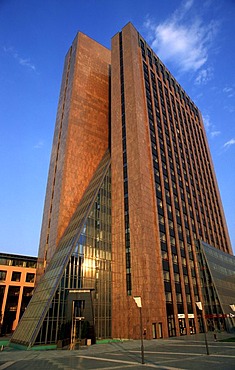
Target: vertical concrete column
x=4, y=301
x=15, y=323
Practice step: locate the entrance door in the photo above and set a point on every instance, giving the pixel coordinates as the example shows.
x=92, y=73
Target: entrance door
x=192, y=326
x=77, y=322
x=154, y=329
x=160, y=330
x=171, y=326
x=182, y=326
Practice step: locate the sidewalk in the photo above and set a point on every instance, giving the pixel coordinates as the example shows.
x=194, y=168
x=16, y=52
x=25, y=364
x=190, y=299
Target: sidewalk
x=185, y=352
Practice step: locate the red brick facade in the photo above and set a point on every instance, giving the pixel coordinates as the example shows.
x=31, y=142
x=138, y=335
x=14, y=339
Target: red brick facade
x=81, y=137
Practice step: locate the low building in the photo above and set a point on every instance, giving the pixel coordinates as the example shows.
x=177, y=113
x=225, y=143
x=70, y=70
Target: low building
x=17, y=277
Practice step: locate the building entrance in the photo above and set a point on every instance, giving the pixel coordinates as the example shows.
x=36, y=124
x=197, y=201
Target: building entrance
x=80, y=315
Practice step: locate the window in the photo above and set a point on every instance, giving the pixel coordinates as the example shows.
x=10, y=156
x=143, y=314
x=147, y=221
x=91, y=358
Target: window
x=172, y=240
x=161, y=219
x=162, y=237
x=159, y=203
x=154, y=329
x=177, y=277
x=30, y=277
x=166, y=275
x=15, y=276
x=174, y=258
x=165, y=265
x=186, y=279
x=188, y=298
x=168, y=296
x=179, y=298
x=164, y=255
x=167, y=285
x=3, y=275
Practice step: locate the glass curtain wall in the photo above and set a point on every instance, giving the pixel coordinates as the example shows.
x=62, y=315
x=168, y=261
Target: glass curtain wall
x=89, y=267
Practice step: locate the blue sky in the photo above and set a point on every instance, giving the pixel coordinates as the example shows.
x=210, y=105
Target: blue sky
x=194, y=39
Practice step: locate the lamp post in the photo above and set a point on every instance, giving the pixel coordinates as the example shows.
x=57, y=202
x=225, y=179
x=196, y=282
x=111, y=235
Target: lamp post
x=139, y=305
x=199, y=306
x=73, y=330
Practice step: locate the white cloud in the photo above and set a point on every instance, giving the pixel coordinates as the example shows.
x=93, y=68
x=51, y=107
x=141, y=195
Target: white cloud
x=39, y=145
x=20, y=60
x=27, y=63
x=215, y=133
x=229, y=143
x=182, y=39
x=210, y=127
x=229, y=91
x=204, y=76
x=207, y=122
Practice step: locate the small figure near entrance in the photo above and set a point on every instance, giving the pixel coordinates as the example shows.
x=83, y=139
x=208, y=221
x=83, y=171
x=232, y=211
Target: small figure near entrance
x=215, y=335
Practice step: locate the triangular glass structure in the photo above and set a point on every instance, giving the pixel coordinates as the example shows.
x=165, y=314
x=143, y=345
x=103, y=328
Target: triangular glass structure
x=218, y=285
x=81, y=260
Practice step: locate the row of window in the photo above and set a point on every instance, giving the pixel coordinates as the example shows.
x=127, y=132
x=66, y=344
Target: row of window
x=207, y=201
x=125, y=177
x=16, y=276
x=17, y=262
x=165, y=256
x=160, y=69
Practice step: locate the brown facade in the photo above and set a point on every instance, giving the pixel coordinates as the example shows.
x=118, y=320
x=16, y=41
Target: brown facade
x=164, y=190
x=80, y=140
x=164, y=195
x=144, y=247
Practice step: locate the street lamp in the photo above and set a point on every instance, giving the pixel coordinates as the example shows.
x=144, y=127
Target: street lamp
x=232, y=315
x=232, y=306
x=199, y=306
x=139, y=304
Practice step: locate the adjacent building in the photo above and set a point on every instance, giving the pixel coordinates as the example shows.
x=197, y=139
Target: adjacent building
x=131, y=190
x=17, y=278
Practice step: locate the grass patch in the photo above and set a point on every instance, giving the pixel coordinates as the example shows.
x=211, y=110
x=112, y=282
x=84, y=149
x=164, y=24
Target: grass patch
x=34, y=348
x=105, y=341
x=227, y=340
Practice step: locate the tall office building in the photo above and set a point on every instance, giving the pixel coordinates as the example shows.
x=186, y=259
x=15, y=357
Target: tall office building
x=164, y=198
x=80, y=140
x=164, y=193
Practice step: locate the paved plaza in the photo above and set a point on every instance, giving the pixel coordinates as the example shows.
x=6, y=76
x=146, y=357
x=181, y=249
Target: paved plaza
x=175, y=353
